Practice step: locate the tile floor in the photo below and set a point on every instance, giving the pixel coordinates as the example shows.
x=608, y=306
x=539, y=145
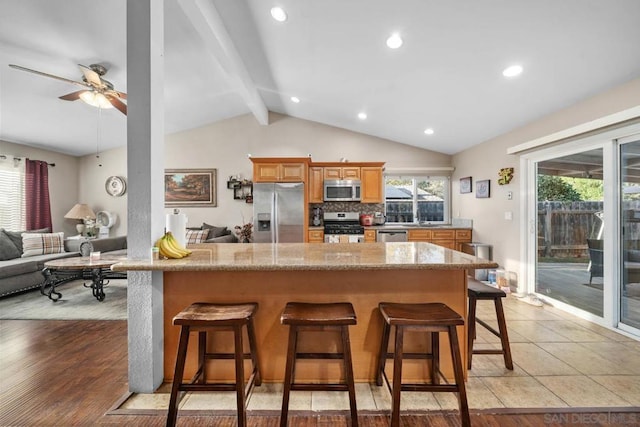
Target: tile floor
x=560, y=361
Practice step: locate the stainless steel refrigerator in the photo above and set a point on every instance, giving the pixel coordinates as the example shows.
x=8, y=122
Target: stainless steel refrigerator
x=278, y=212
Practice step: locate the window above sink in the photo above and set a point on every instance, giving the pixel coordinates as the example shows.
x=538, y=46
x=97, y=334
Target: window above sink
x=417, y=200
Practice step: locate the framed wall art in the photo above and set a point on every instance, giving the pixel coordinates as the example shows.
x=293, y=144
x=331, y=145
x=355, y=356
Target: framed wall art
x=190, y=188
x=483, y=189
x=465, y=185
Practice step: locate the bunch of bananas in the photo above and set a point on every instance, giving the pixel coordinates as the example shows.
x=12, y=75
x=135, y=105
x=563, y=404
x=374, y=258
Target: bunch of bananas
x=170, y=248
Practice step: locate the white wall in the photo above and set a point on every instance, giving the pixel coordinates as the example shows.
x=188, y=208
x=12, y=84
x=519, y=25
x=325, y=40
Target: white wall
x=94, y=172
x=226, y=144
x=63, y=181
x=483, y=161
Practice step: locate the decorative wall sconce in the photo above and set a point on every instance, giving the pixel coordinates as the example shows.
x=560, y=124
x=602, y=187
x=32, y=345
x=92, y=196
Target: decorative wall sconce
x=506, y=175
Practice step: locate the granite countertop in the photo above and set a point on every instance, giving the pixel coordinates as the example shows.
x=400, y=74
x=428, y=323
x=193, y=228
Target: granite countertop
x=401, y=227
x=415, y=227
x=312, y=256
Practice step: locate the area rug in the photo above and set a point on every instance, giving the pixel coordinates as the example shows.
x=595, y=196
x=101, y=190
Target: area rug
x=77, y=303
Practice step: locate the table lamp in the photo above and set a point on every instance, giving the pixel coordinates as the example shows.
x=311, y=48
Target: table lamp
x=83, y=212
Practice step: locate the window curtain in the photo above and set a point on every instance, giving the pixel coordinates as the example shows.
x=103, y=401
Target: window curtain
x=38, y=207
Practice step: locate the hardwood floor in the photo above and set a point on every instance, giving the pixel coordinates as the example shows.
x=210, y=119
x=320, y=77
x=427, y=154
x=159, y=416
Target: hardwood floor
x=70, y=373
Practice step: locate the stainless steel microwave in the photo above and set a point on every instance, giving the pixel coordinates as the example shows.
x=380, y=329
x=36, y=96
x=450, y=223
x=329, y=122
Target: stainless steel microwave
x=342, y=190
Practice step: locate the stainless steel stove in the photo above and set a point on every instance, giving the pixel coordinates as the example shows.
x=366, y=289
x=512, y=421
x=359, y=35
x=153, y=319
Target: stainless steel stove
x=343, y=227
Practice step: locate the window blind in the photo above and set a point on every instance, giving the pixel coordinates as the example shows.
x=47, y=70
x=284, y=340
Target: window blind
x=12, y=200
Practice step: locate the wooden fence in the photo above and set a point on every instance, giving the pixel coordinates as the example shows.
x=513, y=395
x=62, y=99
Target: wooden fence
x=564, y=227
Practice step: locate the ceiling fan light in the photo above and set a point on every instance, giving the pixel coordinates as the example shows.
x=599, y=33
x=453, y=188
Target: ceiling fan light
x=95, y=99
x=103, y=102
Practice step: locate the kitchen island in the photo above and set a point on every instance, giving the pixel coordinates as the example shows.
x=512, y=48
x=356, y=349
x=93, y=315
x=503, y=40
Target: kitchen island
x=273, y=274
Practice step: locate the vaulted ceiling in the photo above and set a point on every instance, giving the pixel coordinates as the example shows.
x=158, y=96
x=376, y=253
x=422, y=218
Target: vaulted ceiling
x=331, y=54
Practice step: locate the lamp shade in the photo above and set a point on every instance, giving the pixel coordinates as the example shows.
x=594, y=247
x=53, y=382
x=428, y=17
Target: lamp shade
x=80, y=211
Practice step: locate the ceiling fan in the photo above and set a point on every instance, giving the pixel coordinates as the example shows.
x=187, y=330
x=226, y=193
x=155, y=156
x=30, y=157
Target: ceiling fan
x=97, y=91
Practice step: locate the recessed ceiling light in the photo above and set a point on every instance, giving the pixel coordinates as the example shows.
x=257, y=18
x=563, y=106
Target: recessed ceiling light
x=295, y=99
x=512, y=71
x=362, y=116
x=428, y=131
x=278, y=14
x=394, y=41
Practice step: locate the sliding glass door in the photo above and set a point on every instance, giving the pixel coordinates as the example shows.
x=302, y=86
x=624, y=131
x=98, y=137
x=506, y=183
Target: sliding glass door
x=569, y=245
x=629, y=263
x=582, y=229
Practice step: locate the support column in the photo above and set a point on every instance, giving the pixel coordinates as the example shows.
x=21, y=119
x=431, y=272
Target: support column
x=145, y=170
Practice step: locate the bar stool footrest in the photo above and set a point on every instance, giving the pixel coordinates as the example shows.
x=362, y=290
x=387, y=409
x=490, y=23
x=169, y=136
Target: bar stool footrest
x=487, y=351
x=319, y=387
x=426, y=356
x=320, y=355
x=430, y=387
x=223, y=356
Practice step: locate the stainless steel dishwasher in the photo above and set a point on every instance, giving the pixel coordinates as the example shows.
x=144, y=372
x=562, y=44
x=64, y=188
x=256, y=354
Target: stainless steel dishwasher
x=391, y=236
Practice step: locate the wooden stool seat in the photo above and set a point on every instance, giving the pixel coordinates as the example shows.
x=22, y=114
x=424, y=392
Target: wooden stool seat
x=432, y=318
x=480, y=291
x=429, y=314
x=330, y=316
x=204, y=314
x=206, y=318
x=302, y=313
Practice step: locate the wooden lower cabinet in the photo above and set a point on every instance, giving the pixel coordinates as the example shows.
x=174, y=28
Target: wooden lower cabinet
x=419, y=235
x=316, y=236
x=462, y=237
x=369, y=236
x=450, y=238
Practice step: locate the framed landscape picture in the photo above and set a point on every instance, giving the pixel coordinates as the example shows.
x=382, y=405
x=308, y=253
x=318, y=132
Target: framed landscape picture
x=482, y=189
x=190, y=188
x=465, y=185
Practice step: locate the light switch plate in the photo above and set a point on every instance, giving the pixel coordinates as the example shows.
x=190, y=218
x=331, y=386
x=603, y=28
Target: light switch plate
x=508, y=215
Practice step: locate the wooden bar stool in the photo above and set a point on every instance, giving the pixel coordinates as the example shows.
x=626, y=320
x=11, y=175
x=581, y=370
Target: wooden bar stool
x=208, y=318
x=428, y=317
x=479, y=291
x=327, y=316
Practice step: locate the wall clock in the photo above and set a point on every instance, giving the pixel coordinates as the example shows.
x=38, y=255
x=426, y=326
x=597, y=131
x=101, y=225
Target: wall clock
x=115, y=186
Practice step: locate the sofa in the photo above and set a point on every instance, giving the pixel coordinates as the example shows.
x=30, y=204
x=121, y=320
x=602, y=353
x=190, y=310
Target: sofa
x=214, y=234
x=19, y=273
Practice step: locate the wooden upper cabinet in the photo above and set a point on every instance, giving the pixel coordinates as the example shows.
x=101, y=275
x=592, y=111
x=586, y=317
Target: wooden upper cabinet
x=342, y=172
x=293, y=172
x=316, y=187
x=372, y=190
x=280, y=169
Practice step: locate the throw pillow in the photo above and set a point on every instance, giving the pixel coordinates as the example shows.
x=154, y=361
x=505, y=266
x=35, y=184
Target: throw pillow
x=196, y=236
x=214, y=231
x=42, y=243
x=7, y=249
x=16, y=236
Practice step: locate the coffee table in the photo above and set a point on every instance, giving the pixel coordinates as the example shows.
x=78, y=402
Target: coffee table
x=60, y=271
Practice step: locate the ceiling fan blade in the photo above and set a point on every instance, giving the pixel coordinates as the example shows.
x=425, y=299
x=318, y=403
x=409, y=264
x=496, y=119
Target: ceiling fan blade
x=92, y=77
x=116, y=93
x=40, y=73
x=121, y=106
x=72, y=96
